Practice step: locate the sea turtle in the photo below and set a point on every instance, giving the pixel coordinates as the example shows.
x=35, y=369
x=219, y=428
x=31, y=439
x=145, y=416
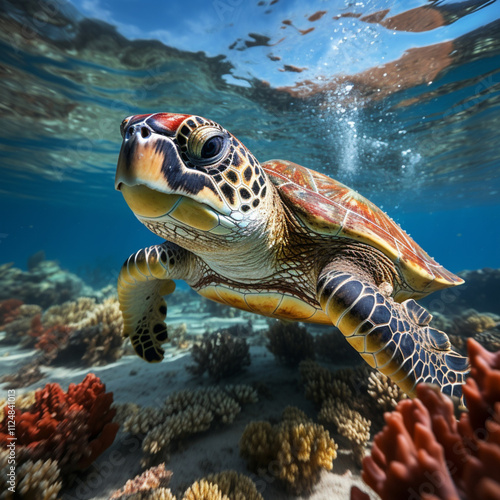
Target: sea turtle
x=276, y=239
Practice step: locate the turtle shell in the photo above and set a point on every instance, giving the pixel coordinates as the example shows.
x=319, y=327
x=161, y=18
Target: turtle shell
x=330, y=208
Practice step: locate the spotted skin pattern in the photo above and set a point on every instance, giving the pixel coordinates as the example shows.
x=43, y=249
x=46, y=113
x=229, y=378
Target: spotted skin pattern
x=278, y=240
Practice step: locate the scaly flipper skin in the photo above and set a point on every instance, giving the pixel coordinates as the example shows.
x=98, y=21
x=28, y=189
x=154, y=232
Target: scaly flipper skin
x=144, y=279
x=394, y=338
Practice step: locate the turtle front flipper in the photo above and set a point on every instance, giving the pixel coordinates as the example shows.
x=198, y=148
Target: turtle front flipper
x=144, y=278
x=394, y=338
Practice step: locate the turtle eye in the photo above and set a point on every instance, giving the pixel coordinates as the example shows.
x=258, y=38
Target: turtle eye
x=207, y=145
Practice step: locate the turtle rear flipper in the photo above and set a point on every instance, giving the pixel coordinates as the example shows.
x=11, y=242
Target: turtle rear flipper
x=143, y=281
x=394, y=338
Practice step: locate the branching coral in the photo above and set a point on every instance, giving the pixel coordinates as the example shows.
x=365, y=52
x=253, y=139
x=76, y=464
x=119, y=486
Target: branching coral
x=384, y=391
x=31, y=481
x=182, y=414
x=424, y=452
x=9, y=310
x=73, y=428
x=220, y=354
x=349, y=423
x=295, y=450
x=235, y=486
x=203, y=490
x=290, y=342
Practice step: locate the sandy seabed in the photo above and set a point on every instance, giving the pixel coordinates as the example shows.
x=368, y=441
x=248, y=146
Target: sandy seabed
x=133, y=380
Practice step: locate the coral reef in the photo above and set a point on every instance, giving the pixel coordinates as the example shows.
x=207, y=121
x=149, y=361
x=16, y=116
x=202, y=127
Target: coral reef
x=9, y=310
x=144, y=484
x=48, y=340
x=235, y=486
x=423, y=451
x=182, y=414
x=203, y=490
x=73, y=428
x=290, y=342
x=384, y=391
x=16, y=330
x=27, y=374
x=469, y=323
x=220, y=354
x=333, y=347
x=295, y=450
x=152, y=485
x=45, y=284
x=32, y=480
x=349, y=423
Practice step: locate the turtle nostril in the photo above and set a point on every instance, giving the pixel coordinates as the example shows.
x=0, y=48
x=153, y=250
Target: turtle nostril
x=145, y=132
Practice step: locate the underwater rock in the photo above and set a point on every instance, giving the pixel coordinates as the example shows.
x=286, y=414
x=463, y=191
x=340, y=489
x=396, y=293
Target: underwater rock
x=220, y=354
x=35, y=259
x=183, y=413
x=73, y=428
x=18, y=323
x=44, y=285
x=27, y=374
x=290, y=342
x=424, y=451
x=296, y=450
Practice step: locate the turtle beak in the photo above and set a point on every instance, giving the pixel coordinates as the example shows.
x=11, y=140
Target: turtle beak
x=150, y=173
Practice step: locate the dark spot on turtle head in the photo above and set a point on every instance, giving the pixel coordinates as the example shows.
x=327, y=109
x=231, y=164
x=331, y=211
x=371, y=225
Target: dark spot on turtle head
x=232, y=177
x=263, y=192
x=163, y=309
x=255, y=187
x=163, y=257
x=245, y=208
x=191, y=123
x=245, y=193
x=237, y=160
x=247, y=173
x=255, y=203
x=228, y=192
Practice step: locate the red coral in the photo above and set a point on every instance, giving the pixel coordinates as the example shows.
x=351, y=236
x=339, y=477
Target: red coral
x=49, y=339
x=423, y=452
x=73, y=428
x=9, y=310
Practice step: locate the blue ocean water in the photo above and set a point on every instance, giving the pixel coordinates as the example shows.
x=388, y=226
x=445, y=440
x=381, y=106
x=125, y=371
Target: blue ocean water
x=399, y=100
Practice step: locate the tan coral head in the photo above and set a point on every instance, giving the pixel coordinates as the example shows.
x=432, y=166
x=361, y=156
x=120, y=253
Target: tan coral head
x=187, y=169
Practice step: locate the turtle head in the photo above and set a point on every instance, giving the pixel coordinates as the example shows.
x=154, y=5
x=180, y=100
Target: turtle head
x=183, y=170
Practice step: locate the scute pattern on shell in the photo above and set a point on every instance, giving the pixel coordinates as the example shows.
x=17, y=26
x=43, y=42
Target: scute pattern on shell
x=331, y=208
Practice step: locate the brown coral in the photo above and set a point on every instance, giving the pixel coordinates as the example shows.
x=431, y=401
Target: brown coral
x=235, y=486
x=290, y=342
x=220, y=354
x=203, y=490
x=31, y=481
x=384, y=391
x=184, y=413
x=295, y=450
x=349, y=423
x=424, y=452
x=470, y=322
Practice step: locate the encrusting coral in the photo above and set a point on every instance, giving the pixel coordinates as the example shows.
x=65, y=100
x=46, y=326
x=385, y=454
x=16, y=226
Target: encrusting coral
x=295, y=450
x=73, y=428
x=183, y=413
x=424, y=452
x=290, y=342
x=31, y=481
x=220, y=354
